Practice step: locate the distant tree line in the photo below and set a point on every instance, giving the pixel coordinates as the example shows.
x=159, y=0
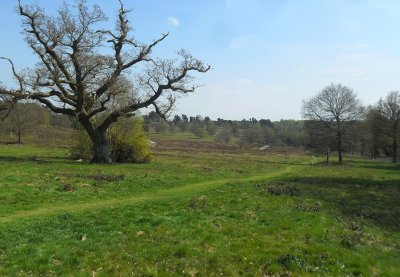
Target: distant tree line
x=335, y=121
x=245, y=132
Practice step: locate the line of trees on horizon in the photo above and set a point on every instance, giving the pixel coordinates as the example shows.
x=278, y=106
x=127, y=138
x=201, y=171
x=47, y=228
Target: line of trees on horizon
x=334, y=120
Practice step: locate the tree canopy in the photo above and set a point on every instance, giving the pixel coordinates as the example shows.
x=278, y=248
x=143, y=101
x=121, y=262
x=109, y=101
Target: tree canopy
x=336, y=108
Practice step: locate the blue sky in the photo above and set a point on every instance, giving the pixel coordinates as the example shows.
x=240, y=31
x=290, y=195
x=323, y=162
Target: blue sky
x=267, y=55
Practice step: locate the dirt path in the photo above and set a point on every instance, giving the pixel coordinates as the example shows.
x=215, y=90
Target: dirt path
x=162, y=194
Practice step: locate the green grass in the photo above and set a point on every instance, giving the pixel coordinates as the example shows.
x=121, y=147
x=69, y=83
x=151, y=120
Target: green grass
x=197, y=214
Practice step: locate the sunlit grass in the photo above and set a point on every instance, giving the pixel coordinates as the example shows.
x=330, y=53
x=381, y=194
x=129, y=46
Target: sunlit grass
x=197, y=214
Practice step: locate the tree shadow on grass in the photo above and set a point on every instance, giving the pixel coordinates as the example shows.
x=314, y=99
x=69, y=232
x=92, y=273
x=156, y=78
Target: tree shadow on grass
x=34, y=159
x=377, y=201
x=381, y=165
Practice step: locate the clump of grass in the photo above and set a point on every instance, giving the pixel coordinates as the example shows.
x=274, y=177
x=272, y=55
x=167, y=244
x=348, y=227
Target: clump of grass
x=107, y=177
x=66, y=187
x=289, y=261
x=180, y=253
x=198, y=202
x=308, y=206
x=355, y=226
x=279, y=188
x=99, y=177
x=33, y=158
x=354, y=236
x=352, y=239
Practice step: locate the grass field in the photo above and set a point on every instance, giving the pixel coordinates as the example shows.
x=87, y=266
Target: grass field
x=197, y=214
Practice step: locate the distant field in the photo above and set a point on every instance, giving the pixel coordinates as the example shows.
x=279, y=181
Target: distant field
x=201, y=212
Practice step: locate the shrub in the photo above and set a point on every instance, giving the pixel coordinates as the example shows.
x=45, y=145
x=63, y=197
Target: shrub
x=83, y=148
x=251, y=136
x=211, y=130
x=198, y=202
x=224, y=137
x=199, y=131
x=129, y=143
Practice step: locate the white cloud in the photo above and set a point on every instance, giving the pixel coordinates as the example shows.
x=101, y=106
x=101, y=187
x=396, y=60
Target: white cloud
x=173, y=21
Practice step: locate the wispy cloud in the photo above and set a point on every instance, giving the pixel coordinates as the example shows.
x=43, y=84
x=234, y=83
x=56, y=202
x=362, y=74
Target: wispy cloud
x=174, y=21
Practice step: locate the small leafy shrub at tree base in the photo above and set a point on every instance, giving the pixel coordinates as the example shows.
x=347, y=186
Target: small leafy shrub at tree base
x=83, y=148
x=129, y=144
x=131, y=150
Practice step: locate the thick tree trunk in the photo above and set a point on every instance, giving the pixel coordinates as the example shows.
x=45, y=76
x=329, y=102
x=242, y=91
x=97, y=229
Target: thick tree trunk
x=101, y=145
x=19, y=137
x=394, y=149
x=101, y=149
x=340, y=148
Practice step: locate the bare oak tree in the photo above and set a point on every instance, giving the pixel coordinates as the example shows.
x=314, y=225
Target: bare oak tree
x=22, y=119
x=336, y=108
x=389, y=108
x=96, y=74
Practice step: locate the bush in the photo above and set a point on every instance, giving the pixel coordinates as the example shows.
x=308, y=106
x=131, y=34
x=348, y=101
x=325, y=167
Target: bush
x=223, y=137
x=199, y=131
x=129, y=143
x=211, y=130
x=83, y=148
x=251, y=136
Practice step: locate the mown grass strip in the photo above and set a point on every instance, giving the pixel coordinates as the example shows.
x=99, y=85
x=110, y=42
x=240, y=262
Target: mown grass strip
x=162, y=194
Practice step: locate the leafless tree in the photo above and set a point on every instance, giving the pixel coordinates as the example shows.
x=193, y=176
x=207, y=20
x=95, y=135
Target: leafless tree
x=389, y=108
x=22, y=119
x=84, y=69
x=337, y=108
